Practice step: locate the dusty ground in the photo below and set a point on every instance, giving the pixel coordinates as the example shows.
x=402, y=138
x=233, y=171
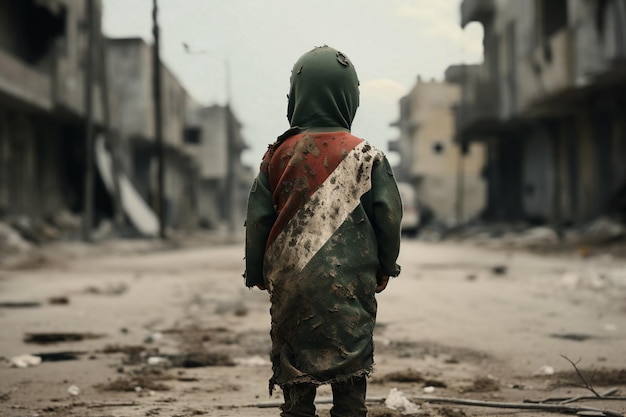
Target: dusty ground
x=156, y=330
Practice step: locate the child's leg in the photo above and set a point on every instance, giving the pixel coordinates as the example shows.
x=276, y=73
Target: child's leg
x=299, y=400
x=349, y=398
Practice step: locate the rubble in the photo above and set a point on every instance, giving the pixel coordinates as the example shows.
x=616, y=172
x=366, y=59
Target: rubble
x=12, y=242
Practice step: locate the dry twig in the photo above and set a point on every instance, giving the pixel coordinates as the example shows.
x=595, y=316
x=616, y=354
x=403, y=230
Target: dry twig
x=585, y=384
x=555, y=408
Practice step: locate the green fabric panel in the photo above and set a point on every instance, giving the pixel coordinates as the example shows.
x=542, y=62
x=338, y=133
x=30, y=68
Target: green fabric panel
x=323, y=317
x=260, y=218
x=386, y=216
x=324, y=91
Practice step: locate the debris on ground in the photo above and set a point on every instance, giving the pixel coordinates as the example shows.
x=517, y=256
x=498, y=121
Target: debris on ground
x=408, y=375
x=396, y=400
x=483, y=384
x=142, y=380
x=25, y=361
x=59, y=300
x=49, y=338
x=59, y=356
x=19, y=304
x=73, y=390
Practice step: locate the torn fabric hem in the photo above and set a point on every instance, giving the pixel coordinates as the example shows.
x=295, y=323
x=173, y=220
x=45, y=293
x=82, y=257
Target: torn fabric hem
x=308, y=379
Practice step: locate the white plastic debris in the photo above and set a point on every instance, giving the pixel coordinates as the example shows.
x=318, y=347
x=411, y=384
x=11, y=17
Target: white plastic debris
x=157, y=360
x=252, y=361
x=429, y=389
x=25, y=361
x=545, y=370
x=73, y=390
x=396, y=400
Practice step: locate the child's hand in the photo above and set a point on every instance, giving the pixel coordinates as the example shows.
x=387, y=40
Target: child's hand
x=382, y=280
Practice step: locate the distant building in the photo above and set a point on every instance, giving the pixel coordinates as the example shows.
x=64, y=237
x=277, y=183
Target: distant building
x=130, y=69
x=447, y=182
x=42, y=106
x=214, y=136
x=549, y=104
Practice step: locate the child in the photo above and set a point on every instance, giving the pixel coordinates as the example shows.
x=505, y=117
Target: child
x=322, y=236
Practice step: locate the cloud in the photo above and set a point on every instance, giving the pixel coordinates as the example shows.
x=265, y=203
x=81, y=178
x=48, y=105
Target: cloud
x=440, y=20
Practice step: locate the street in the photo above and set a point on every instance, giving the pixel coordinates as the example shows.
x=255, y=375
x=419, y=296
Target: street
x=152, y=330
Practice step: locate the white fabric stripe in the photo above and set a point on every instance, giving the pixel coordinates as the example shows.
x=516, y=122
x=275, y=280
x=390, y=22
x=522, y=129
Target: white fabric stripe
x=329, y=206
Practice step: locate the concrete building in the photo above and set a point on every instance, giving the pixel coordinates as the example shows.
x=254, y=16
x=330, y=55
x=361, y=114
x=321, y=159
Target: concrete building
x=43, y=48
x=130, y=69
x=214, y=136
x=548, y=101
x=447, y=181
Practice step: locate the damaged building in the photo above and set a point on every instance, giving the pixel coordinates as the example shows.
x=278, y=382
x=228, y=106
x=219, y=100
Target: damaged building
x=44, y=55
x=129, y=65
x=446, y=179
x=214, y=135
x=43, y=46
x=548, y=102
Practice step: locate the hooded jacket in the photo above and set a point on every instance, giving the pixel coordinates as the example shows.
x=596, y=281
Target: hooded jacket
x=323, y=219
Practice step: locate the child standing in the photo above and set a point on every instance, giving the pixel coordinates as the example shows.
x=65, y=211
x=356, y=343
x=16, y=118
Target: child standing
x=322, y=236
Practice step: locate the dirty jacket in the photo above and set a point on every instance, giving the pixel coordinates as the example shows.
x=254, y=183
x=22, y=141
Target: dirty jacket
x=323, y=218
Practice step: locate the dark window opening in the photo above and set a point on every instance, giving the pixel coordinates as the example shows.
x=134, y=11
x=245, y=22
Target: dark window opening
x=553, y=17
x=192, y=135
x=30, y=30
x=438, y=148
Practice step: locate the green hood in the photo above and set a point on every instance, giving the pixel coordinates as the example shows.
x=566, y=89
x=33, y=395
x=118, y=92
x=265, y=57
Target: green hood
x=324, y=93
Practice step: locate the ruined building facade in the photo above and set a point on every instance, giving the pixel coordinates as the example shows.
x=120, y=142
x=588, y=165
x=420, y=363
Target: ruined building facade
x=446, y=178
x=42, y=106
x=548, y=102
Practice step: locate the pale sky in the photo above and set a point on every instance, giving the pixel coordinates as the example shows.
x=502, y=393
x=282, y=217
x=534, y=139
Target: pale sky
x=390, y=42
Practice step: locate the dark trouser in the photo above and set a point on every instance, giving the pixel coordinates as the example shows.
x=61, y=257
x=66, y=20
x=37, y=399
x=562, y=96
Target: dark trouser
x=348, y=399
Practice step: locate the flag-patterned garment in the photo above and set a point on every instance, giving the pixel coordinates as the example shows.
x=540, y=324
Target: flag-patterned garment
x=323, y=218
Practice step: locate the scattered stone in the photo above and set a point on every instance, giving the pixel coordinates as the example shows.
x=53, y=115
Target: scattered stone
x=252, y=361
x=499, y=269
x=545, y=370
x=603, y=230
x=73, y=390
x=483, y=384
x=61, y=300
x=11, y=242
x=408, y=376
x=396, y=400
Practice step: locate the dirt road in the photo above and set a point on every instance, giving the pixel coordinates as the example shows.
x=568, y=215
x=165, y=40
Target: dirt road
x=132, y=330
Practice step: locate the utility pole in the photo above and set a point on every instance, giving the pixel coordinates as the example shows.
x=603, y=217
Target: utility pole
x=158, y=120
x=88, y=202
x=460, y=182
x=231, y=152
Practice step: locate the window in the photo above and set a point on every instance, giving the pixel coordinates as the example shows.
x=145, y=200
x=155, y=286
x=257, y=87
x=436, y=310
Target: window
x=438, y=147
x=192, y=135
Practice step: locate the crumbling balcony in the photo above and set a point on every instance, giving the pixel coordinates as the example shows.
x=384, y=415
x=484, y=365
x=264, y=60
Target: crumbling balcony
x=19, y=81
x=476, y=11
x=548, y=72
x=477, y=113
